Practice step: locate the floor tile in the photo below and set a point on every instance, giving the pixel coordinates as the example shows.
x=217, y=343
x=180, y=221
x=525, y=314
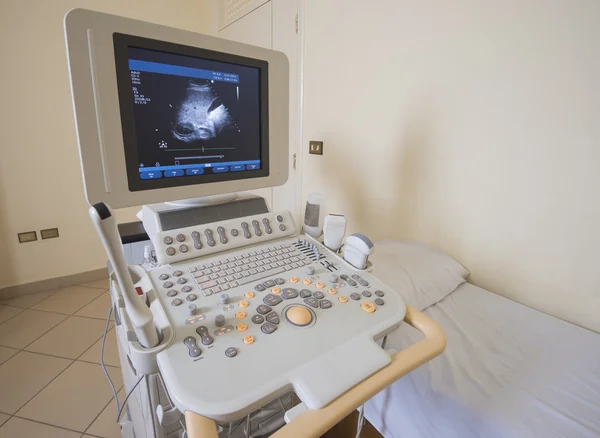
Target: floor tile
x=17, y=427
x=111, y=352
x=68, y=300
x=105, y=425
x=98, y=308
x=24, y=375
x=70, y=338
x=28, y=300
x=7, y=312
x=6, y=353
x=3, y=418
x=75, y=398
x=26, y=327
x=99, y=284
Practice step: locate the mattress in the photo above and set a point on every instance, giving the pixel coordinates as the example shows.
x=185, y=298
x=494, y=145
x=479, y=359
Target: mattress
x=507, y=371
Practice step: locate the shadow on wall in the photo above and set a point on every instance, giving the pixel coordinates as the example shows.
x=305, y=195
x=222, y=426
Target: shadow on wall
x=6, y=261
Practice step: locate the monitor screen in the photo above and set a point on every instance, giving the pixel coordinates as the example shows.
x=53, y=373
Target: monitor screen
x=189, y=115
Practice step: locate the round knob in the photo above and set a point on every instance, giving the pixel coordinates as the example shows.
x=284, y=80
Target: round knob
x=333, y=278
x=310, y=270
x=192, y=309
x=299, y=315
x=220, y=320
x=224, y=299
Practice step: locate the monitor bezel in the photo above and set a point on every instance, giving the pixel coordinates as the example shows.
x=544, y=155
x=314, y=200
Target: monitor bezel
x=124, y=41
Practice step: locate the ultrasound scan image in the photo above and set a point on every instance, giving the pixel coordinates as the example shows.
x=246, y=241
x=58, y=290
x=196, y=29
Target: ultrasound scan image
x=200, y=115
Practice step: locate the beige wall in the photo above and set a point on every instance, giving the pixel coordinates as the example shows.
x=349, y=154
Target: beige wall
x=471, y=125
x=40, y=178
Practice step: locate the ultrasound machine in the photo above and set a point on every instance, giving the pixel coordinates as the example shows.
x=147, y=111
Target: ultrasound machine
x=243, y=325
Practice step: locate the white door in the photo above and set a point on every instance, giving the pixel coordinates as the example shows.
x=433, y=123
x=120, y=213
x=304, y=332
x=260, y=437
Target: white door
x=273, y=25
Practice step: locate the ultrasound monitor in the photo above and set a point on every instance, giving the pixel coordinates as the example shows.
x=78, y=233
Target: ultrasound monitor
x=164, y=114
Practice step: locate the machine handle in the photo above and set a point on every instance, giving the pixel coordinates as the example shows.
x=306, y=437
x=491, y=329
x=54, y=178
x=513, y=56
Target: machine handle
x=313, y=423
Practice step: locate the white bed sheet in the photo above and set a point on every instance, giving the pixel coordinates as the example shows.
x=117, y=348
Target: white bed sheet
x=507, y=371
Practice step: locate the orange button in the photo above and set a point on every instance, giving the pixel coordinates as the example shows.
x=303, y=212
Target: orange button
x=306, y=281
x=294, y=279
x=244, y=304
x=332, y=291
x=320, y=285
x=276, y=290
x=249, y=294
x=368, y=307
x=343, y=299
x=240, y=315
x=241, y=327
x=248, y=339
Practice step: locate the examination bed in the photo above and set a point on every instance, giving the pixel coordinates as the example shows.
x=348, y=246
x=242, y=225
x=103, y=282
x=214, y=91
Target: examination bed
x=508, y=370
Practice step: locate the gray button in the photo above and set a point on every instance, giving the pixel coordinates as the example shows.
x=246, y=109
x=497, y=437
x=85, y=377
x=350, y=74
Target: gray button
x=234, y=232
x=272, y=300
x=355, y=296
x=379, y=301
x=280, y=281
x=190, y=343
x=222, y=236
x=319, y=295
x=168, y=240
x=223, y=299
x=333, y=278
x=379, y=293
x=305, y=293
x=186, y=289
x=279, y=218
x=289, y=293
x=176, y=302
x=171, y=251
x=267, y=225
x=231, y=352
x=257, y=229
x=269, y=283
x=367, y=294
x=167, y=284
x=177, y=273
x=192, y=297
x=325, y=304
x=171, y=293
x=204, y=336
x=356, y=277
x=192, y=309
x=282, y=227
x=363, y=283
x=258, y=319
x=163, y=276
x=182, y=280
x=263, y=310
x=220, y=320
x=180, y=238
x=246, y=230
x=197, y=241
x=312, y=302
x=259, y=288
x=351, y=282
x=210, y=239
x=310, y=270
x=183, y=248
x=267, y=328
x=273, y=318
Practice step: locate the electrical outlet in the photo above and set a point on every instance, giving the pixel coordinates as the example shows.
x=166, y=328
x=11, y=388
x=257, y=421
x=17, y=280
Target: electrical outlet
x=315, y=147
x=50, y=233
x=29, y=236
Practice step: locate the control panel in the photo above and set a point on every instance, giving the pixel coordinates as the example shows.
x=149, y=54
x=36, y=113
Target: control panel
x=254, y=323
x=202, y=240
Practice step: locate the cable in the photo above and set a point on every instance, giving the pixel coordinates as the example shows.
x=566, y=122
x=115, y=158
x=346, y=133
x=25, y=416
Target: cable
x=110, y=382
x=361, y=420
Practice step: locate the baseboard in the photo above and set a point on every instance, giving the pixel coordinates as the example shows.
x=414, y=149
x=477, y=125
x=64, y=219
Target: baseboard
x=52, y=283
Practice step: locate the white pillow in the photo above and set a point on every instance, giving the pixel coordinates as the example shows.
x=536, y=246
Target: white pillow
x=423, y=275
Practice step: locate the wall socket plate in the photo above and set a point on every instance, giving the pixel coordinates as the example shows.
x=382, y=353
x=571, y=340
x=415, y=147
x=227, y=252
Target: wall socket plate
x=315, y=147
x=49, y=233
x=28, y=236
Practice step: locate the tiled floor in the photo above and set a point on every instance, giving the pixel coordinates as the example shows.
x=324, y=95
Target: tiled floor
x=51, y=383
